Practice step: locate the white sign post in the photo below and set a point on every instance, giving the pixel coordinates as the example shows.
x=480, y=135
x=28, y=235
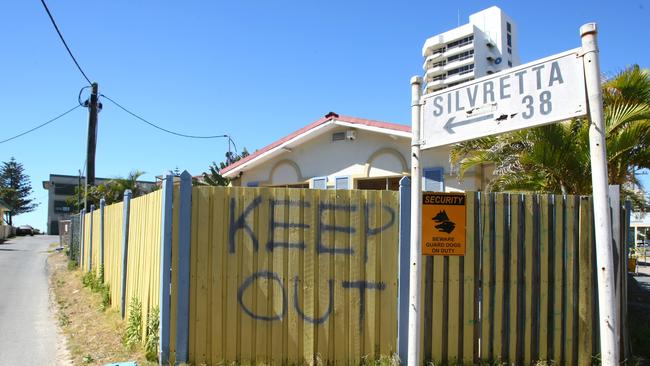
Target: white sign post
x=607, y=310
x=538, y=93
x=534, y=94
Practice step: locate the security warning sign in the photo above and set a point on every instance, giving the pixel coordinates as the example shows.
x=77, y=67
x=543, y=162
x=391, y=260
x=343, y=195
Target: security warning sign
x=443, y=223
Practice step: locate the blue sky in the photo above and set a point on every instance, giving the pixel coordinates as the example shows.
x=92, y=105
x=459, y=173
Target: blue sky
x=256, y=70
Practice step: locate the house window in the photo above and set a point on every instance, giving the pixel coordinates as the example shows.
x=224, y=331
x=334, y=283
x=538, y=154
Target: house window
x=509, y=38
x=253, y=184
x=338, y=136
x=508, y=27
x=342, y=183
x=433, y=180
x=319, y=183
x=510, y=50
x=510, y=63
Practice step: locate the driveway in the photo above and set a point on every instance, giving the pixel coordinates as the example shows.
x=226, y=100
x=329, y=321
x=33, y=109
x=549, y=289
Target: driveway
x=28, y=329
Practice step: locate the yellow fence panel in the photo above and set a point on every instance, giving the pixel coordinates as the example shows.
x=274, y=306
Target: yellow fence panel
x=113, y=220
x=97, y=219
x=292, y=276
x=143, y=262
x=87, y=235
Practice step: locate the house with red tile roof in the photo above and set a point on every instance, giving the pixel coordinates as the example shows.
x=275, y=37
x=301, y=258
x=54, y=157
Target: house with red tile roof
x=344, y=152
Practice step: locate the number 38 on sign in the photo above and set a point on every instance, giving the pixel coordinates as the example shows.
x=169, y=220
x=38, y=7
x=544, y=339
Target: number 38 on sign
x=443, y=223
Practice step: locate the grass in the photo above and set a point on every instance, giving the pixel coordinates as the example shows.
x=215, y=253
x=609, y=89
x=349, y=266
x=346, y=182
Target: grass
x=93, y=335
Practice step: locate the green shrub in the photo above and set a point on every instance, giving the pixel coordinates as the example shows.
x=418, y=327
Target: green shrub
x=95, y=284
x=90, y=280
x=133, y=333
x=72, y=265
x=106, y=296
x=153, y=337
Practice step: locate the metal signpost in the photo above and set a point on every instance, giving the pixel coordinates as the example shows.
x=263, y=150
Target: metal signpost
x=541, y=92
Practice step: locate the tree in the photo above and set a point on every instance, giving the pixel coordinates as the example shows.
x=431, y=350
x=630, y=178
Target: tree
x=555, y=158
x=213, y=176
x=15, y=188
x=111, y=191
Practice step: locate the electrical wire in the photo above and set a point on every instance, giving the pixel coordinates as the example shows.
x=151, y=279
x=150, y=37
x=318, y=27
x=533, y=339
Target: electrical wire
x=64, y=42
x=41, y=125
x=79, y=97
x=161, y=128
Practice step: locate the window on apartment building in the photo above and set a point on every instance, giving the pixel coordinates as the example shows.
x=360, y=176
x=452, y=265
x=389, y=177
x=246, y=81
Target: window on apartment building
x=439, y=63
x=61, y=207
x=509, y=38
x=510, y=63
x=64, y=189
x=461, y=56
x=433, y=179
x=461, y=42
x=461, y=70
x=510, y=50
x=508, y=27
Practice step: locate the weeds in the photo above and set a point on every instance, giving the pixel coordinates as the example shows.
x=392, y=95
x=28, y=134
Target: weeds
x=72, y=265
x=133, y=333
x=95, y=284
x=64, y=320
x=153, y=325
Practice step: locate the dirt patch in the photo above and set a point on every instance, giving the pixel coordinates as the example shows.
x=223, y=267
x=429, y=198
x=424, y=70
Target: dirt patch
x=94, y=337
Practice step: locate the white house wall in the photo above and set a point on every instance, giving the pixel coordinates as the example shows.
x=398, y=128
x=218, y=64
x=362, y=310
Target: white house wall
x=369, y=155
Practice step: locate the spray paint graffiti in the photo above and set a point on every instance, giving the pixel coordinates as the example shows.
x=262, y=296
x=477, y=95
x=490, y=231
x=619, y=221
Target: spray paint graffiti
x=241, y=224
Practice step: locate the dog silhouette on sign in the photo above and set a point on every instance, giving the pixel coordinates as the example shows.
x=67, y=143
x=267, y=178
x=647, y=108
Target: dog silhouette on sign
x=445, y=225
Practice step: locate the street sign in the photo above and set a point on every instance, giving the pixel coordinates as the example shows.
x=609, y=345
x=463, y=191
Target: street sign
x=544, y=91
x=443, y=223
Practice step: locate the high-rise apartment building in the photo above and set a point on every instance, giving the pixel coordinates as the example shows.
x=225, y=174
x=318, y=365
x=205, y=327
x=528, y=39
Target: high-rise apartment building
x=487, y=44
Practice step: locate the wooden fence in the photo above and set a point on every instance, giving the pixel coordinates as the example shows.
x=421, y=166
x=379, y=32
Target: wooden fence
x=103, y=248
x=284, y=276
x=526, y=289
x=296, y=276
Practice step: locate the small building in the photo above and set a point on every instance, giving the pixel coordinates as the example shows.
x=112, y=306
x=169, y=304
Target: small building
x=5, y=229
x=63, y=187
x=344, y=152
x=640, y=228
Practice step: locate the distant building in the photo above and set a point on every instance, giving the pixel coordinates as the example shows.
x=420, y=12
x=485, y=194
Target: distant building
x=485, y=45
x=60, y=189
x=640, y=227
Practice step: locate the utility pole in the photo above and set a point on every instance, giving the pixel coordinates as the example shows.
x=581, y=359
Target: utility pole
x=93, y=110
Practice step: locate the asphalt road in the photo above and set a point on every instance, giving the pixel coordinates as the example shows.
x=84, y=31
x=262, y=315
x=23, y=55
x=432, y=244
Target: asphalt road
x=28, y=330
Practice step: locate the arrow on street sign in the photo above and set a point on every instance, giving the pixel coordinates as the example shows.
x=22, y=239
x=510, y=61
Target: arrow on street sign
x=449, y=126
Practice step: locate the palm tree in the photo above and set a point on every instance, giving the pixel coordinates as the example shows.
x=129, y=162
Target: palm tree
x=555, y=158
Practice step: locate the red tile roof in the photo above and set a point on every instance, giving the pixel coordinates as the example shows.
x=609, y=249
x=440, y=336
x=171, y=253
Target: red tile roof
x=328, y=117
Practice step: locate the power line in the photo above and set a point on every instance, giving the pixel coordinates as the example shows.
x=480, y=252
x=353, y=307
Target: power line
x=161, y=128
x=41, y=125
x=64, y=42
